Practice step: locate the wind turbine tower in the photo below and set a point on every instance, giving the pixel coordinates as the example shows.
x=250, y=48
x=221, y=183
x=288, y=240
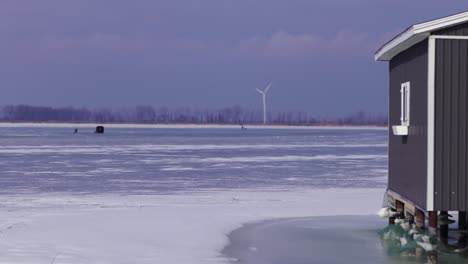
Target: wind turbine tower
x=263, y=93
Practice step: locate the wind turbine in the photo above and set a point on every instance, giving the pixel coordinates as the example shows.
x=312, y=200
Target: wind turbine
x=263, y=93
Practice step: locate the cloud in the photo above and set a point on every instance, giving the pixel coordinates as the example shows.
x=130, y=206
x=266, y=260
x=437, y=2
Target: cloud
x=288, y=46
x=149, y=49
x=100, y=48
x=285, y=45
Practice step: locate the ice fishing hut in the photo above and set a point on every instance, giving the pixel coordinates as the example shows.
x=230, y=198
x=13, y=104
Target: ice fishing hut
x=428, y=118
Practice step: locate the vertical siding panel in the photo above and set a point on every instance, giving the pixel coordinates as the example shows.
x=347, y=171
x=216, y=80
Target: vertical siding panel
x=439, y=121
x=463, y=122
x=407, y=157
x=455, y=30
x=451, y=124
x=464, y=84
x=454, y=142
x=394, y=118
x=464, y=79
x=447, y=125
x=461, y=29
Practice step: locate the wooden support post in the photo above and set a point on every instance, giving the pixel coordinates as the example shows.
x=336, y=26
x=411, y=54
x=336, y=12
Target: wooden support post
x=420, y=219
x=462, y=220
x=462, y=225
x=462, y=239
x=444, y=227
x=433, y=222
x=410, y=218
x=433, y=258
x=400, y=207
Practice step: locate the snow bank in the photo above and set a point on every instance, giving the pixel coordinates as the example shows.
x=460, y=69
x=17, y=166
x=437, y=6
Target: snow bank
x=187, y=228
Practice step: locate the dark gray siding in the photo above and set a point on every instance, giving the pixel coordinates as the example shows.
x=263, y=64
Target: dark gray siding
x=408, y=155
x=451, y=125
x=459, y=30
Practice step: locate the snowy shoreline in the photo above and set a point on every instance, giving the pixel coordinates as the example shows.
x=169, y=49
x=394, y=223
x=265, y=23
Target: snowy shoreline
x=179, y=126
x=176, y=228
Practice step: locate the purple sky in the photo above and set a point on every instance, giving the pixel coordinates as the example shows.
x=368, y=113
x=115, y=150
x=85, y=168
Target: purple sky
x=203, y=54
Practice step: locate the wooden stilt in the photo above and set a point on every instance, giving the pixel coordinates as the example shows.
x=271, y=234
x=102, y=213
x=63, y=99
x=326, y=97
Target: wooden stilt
x=432, y=258
x=462, y=239
x=410, y=218
x=400, y=207
x=420, y=219
x=462, y=220
x=444, y=227
x=433, y=222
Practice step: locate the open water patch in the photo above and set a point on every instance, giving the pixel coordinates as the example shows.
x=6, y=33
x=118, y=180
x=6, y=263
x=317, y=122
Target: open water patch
x=329, y=239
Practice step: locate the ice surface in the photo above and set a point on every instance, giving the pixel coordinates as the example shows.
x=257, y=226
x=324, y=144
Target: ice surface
x=177, y=126
x=169, y=195
x=179, y=228
x=124, y=160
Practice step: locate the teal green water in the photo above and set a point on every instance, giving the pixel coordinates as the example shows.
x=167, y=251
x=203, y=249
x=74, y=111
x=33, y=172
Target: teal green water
x=332, y=240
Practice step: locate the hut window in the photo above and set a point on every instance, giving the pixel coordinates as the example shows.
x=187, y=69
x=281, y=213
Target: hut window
x=405, y=104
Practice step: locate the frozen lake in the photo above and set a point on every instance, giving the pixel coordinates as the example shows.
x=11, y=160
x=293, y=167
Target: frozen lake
x=154, y=161
x=146, y=195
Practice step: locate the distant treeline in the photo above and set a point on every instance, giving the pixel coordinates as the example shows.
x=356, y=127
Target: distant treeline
x=164, y=115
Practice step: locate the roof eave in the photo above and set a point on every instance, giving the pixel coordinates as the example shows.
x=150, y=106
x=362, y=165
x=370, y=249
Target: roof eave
x=441, y=23
x=393, y=49
x=416, y=34
x=399, y=44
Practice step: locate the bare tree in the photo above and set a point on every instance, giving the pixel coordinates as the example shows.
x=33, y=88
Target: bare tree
x=147, y=114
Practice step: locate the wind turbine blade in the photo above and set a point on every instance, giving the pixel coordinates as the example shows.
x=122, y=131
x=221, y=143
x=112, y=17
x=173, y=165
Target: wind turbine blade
x=260, y=91
x=268, y=87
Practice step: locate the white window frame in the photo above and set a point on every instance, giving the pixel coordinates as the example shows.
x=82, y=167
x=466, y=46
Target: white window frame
x=405, y=103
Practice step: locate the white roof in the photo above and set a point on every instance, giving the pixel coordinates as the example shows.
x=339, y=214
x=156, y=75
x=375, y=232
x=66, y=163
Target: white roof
x=416, y=34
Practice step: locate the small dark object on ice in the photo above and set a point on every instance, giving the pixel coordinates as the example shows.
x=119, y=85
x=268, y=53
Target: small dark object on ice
x=99, y=130
x=76, y=131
